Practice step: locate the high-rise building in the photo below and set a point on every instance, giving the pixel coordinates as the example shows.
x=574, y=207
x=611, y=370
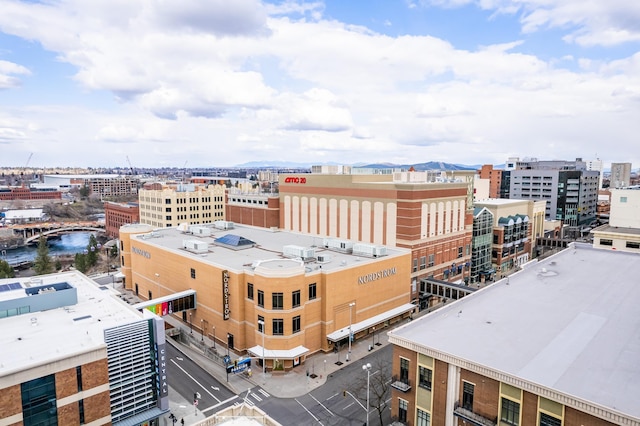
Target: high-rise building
x=74, y=353
x=165, y=206
x=553, y=344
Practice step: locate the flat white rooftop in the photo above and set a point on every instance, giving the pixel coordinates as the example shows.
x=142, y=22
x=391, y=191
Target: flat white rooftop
x=267, y=252
x=570, y=323
x=37, y=338
x=500, y=201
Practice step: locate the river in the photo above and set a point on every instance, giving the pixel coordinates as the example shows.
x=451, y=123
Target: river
x=67, y=244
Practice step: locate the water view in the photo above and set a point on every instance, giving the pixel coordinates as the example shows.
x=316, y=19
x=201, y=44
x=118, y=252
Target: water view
x=66, y=244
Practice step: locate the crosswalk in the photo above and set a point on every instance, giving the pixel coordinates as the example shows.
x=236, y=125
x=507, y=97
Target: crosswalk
x=258, y=398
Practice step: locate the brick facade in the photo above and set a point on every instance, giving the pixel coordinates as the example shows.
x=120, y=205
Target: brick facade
x=10, y=401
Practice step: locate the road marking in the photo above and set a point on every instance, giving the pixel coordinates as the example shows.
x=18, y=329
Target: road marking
x=198, y=383
x=223, y=402
x=348, y=406
x=215, y=388
x=332, y=396
x=305, y=409
x=321, y=404
x=256, y=396
x=262, y=391
x=179, y=359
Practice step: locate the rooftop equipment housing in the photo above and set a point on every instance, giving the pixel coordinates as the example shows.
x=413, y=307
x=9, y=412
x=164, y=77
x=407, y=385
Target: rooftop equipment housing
x=294, y=251
x=369, y=250
x=223, y=224
x=201, y=231
x=195, y=246
x=344, y=246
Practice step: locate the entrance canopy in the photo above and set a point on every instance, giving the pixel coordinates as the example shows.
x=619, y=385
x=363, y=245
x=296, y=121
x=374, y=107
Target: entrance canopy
x=296, y=352
x=370, y=322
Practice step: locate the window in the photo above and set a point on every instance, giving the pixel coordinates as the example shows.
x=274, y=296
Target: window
x=424, y=419
x=296, y=324
x=79, y=377
x=547, y=420
x=425, y=378
x=278, y=326
x=423, y=262
x=402, y=410
x=632, y=244
x=250, y=291
x=606, y=242
x=312, y=291
x=81, y=411
x=431, y=260
x=39, y=401
x=193, y=273
x=623, y=199
x=260, y=323
x=460, y=251
x=415, y=265
x=467, y=395
x=261, y=298
x=295, y=298
x=510, y=412
x=404, y=370
x=277, y=301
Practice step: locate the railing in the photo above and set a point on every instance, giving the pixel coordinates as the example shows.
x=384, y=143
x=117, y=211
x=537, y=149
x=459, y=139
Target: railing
x=402, y=384
x=472, y=417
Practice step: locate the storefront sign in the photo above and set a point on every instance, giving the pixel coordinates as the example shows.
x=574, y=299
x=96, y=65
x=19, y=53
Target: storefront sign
x=225, y=294
x=161, y=368
x=292, y=179
x=377, y=275
x=141, y=252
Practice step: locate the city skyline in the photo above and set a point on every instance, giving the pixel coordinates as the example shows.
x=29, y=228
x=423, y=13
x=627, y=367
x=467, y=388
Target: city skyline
x=218, y=84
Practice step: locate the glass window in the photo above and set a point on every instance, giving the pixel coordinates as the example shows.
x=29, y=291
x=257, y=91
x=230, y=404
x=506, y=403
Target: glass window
x=467, y=395
x=295, y=298
x=547, y=420
x=424, y=419
x=296, y=324
x=193, y=273
x=261, y=298
x=250, y=291
x=606, y=242
x=278, y=326
x=425, y=378
x=415, y=265
x=510, y=413
x=404, y=370
x=39, y=402
x=277, y=301
x=633, y=245
x=623, y=199
x=423, y=262
x=431, y=260
x=402, y=410
x=312, y=291
x=260, y=323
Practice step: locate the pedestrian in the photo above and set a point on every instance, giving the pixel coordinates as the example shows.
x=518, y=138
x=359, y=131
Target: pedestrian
x=182, y=422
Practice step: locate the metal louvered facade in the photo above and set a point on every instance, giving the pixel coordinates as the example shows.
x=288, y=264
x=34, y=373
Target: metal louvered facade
x=133, y=380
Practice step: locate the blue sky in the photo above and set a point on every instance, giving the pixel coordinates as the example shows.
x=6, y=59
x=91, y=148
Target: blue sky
x=219, y=83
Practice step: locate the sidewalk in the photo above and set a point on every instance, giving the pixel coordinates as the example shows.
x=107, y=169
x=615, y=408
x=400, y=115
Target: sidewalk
x=289, y=384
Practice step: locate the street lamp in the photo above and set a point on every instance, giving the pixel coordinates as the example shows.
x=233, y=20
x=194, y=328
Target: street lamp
x=261, y=324
x=202, y=329
x=214, y=337
x=351, y=305
x=373, y=338
x=367, y=367
x=190, y=323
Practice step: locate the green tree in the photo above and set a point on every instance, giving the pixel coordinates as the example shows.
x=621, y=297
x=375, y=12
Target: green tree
x=43, y=264
x=6, y=271
x=114, y=251
x=93, y=250
x=84, y=192
x=58, y=264
x=81, y=262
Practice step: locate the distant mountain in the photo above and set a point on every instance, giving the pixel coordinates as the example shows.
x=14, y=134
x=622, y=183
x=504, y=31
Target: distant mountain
x=431, y=165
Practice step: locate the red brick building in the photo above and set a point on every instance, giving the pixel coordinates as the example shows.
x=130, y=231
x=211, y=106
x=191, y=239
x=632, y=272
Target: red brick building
x=118, y=214
x=27, y=194
x=253, y=209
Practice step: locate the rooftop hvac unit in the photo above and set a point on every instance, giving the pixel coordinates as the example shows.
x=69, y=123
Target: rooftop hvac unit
x=336, y=244
x=200, y=231
x=370, y=250
x=195, y=246
x=223, y=224
x=298, y=251
x=324, y=258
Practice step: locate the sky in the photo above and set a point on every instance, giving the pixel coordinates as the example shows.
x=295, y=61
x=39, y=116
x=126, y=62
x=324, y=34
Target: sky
x=217, y=83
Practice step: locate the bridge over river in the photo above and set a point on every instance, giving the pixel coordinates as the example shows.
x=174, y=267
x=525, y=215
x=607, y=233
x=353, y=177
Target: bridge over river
x=31, y=231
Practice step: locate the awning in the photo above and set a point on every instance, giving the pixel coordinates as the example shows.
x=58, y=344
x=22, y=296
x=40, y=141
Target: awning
x=278, y=353
x=141, y=418
x=369, y=322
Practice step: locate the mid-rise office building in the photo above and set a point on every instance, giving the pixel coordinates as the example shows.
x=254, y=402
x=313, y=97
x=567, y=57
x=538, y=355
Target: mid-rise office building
x=164, y=206
x=73, y=353
x=554, y=344
x=571, y=191
x=268, y=293
x=105, y=185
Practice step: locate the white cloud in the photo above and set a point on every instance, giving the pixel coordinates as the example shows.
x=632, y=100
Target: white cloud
x=8, y=72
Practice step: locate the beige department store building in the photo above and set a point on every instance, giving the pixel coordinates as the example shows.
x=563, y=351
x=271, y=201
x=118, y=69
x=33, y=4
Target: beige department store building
x=303, y=292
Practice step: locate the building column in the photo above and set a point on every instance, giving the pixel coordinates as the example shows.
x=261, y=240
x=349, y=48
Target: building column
x=453, y=384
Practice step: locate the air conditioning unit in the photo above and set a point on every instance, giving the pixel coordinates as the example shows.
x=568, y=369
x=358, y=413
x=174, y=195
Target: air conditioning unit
x=298, y=251
x=195, y=246
x=324, y=258
x=369, y=250
x=201, y=231
x=223, y=224
x=336, y=244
